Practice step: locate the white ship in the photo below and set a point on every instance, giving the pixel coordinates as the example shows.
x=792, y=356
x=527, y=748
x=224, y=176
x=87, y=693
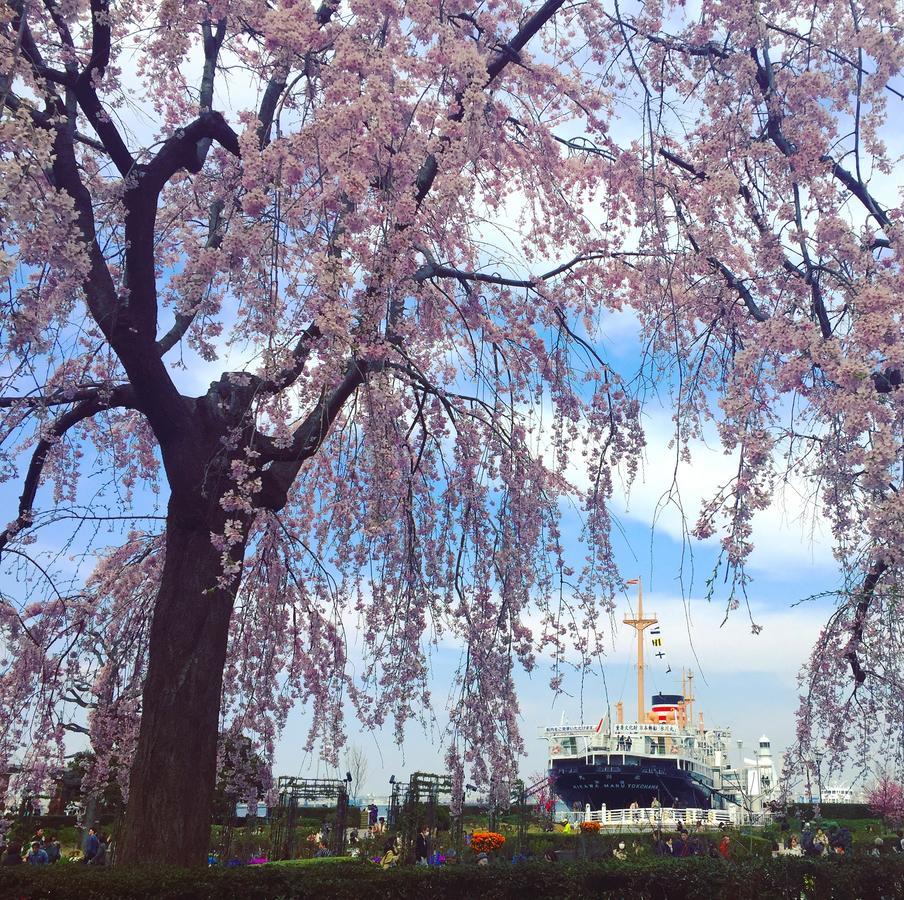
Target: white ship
x=664, y=756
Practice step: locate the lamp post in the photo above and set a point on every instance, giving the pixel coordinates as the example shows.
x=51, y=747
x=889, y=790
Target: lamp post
x=817, y=757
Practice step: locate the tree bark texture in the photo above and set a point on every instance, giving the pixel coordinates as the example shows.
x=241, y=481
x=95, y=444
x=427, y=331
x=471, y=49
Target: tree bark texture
x=171, y=787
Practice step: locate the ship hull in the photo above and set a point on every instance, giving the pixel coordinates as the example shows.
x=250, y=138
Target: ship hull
x=617, y=787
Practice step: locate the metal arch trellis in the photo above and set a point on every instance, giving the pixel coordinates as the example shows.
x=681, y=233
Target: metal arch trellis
x=292, y=793
x=520, y=795
x=405, y=814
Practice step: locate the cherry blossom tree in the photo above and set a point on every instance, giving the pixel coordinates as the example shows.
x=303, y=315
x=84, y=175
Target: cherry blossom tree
x=392, y=232
x=766, y=193
x=369, y=458
x=886, y=799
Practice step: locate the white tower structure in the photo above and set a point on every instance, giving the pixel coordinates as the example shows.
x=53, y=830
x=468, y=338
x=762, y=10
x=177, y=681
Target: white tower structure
x=761, y=777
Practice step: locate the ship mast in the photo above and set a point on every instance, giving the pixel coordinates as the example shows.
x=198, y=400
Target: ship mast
x=640, y=624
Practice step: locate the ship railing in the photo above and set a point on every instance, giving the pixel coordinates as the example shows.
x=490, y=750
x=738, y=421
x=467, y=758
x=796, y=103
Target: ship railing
x=659, y=817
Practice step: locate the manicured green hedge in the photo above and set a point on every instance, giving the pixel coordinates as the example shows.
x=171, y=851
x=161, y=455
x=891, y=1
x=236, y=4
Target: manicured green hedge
x=838, y=811
x=655, y=879
x=593, y=847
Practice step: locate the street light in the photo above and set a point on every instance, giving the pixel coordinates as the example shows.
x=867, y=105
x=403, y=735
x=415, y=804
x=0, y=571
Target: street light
x=818, y=759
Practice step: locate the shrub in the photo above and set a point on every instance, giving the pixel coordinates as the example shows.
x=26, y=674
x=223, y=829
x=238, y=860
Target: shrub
x=590, y=827
x=644, y=879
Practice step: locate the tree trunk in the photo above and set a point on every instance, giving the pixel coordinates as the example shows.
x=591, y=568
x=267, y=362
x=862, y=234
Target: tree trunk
x=171, y=785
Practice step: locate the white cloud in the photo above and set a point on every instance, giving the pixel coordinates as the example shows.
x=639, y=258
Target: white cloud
x=669, y=492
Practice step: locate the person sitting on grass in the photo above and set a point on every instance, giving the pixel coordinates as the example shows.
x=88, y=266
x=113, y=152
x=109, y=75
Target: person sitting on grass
x=322, y=851
x=619, y=851
x=390, y=855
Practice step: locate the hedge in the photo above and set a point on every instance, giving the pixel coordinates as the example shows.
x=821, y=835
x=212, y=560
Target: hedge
x=837, y=811
x=596, y=846
x=656, y=879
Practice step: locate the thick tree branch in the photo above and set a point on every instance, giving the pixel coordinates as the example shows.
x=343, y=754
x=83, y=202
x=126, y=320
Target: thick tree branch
x=269, y=102
x=732, y=280
x=143, y=190
x=308, y=437
x=87, y=95
x=212, y=41
x=61, y=397
x=860, y=191
x=300, y=355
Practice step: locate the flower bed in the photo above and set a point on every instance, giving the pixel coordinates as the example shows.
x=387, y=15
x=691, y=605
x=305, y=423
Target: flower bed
x=486, y=841
x=590, y=827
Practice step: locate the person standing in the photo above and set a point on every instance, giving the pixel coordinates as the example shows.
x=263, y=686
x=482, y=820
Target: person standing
x=724, y=848
x=92, y=845
x=52, y=849
x=422, y=846
x=100, y=858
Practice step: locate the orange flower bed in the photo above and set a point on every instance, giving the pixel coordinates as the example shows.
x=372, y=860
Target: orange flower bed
x=486, y=841
x=590, y=827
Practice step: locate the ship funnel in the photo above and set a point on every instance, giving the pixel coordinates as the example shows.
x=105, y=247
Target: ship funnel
x=666, y=707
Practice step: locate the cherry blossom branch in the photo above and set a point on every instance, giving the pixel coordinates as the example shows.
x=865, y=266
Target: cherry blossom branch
x=732, y=280
x=867, y=592
x=766, y=82
x=860, y=191
x=60, y=397
x=307, y=438
x=834, y=54
x=87, y=96
x=122, y=396
x=710, y=48
x=509, y=53
x=433, y=269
